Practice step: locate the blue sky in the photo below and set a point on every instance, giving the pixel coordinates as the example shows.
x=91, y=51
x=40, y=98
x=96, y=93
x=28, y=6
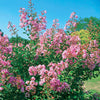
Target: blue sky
x=60, y=9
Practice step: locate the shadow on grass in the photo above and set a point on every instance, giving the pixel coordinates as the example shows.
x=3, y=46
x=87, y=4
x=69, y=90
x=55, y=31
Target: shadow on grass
x=91, y=95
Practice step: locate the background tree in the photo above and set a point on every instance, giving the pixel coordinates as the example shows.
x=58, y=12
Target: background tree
x=83, y=22
x=18, y=39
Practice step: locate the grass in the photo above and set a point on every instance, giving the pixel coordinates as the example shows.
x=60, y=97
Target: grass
x=93, y=84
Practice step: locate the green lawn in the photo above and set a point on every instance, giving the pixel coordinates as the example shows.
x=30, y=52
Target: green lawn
x=93, y=84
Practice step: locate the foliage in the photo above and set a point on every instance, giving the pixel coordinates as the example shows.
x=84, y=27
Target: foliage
x=18, y=39
x=91, y=95
x=83, y=22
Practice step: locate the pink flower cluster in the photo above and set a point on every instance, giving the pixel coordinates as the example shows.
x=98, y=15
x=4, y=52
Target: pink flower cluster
x=31, y=85
x=34, y=25
x=57, y=38
x=4, y=73
x=5, y=65
x=49, y=75
x=16, y=81
x=59, y=67
x=3, y=62
x=12, y=28
x=56, y=85
x=71, y=22
x=42, y=40
x=71, y=47
x=90, y=54
x=57, y=42
x=72, y=51
x=92, y=59
x=55, y=23
x=5, y=46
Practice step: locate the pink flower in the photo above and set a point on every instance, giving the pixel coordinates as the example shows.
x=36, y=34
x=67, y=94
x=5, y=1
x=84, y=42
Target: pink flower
x=95, y=42
x=33, y=37
x=66, y=65
x=9, y=24
x=28, y=88
x=76, y=16
x=20, y=44
x=45, y=11
x=4, y=71
x=54, y=21
x=74, y=24
x=1, y=88
x=27, y=94
x=0, y=33
x=22, y=25
x=42, y=81
x=32, y=70
x=30, y=18
x=65, y=28
x=25, y=20
x=72, y=14
x=91, y=55
x=13, y=25
x=84, y=51
x=27, y=82
x=64, y=54
x=84, y=56
x=32, y=83
x=27, y=29
x=23, y=16
x=91, y=66
x=33, y=78
x=22, y=89
x=42, y=71
x=68, y=24
x=20, y=11
x=3, y=63
x=23, y=8
x=29, y=22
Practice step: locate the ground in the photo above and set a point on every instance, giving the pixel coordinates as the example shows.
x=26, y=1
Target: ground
x=93, y=84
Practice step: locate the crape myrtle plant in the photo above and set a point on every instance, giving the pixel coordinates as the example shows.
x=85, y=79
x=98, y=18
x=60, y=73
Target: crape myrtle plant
x=53, y=64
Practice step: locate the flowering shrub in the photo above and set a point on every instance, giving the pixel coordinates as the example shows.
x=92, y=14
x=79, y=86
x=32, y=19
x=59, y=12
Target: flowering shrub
x=52, y=65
